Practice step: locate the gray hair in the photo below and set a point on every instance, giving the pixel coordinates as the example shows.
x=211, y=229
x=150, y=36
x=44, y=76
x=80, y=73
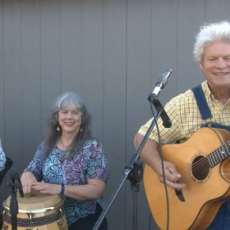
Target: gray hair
x=66, y=99
x=53, y=134
x=208, y=34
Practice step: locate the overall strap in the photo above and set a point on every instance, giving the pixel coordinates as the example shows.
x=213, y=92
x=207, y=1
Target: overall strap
x=201, y=102
x=216, y=125
x=204, y=109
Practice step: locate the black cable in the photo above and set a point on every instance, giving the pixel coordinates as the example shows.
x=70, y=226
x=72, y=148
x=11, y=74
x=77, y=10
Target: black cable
x=13, y=210
x=1, y=217
x=163, y=169
x=150, y=221
x=13, y=202
x=135, y=211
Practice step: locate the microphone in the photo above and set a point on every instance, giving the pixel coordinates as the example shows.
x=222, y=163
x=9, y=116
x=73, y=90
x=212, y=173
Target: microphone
x=160, y=85
x=153, y=98
x=164, y=116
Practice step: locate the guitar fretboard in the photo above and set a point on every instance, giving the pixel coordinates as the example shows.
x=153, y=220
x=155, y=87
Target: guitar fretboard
x=219, y=155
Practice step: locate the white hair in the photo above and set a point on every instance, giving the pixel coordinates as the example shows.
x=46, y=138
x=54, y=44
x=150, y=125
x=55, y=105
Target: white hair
x=208, y=34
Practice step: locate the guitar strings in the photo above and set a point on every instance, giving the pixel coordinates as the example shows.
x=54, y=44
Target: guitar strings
x=204, y=160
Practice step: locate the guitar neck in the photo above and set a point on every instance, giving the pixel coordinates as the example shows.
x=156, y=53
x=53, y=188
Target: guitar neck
x=219, y=155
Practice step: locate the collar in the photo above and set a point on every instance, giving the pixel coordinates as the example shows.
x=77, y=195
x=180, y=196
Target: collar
x=206, y=90
x=209, y=93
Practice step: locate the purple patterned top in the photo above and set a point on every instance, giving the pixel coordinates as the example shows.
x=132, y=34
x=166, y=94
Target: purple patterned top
x=2, y=159
x=89, y=163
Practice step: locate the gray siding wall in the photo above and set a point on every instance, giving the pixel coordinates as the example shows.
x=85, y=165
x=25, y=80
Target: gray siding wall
x=111, y=52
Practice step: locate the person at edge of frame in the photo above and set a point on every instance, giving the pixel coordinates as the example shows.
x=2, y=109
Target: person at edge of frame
x=205, y=105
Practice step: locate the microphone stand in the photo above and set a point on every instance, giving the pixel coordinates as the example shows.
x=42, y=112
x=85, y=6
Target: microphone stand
x=15, y=184
x=133, y=171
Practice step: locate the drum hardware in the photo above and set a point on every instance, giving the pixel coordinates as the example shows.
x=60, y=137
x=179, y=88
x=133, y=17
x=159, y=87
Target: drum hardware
x=37, y=212
x=61, y=224
x=33, y=221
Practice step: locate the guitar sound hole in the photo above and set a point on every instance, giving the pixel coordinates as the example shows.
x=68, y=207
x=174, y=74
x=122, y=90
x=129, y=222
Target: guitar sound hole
x=200, y=167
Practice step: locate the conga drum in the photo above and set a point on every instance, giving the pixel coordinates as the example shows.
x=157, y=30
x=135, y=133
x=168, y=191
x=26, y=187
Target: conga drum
x=38, y=212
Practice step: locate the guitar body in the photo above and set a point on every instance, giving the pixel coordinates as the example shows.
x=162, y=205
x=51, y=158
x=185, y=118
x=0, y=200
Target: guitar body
x=206, y=187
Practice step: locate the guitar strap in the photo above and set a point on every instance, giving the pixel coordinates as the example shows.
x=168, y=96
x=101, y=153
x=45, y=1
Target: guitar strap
x=204, y=109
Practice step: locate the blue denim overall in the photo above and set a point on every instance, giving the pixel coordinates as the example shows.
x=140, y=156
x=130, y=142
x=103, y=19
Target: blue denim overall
x=222, y=219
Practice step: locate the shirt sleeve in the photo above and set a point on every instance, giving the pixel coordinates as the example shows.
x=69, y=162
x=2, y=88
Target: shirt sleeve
x=97, y=167
x=36, y=164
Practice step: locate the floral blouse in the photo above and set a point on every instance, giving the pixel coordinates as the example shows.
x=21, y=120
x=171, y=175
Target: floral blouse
x=90, y=162
x=2, y=159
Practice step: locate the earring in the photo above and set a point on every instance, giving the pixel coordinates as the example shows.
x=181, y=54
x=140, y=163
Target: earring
x=58, y=128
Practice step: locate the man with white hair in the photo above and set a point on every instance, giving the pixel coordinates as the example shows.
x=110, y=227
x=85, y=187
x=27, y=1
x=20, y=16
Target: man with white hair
x=206, y=105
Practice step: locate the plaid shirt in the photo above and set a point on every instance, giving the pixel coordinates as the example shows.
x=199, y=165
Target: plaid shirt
x=186, y=118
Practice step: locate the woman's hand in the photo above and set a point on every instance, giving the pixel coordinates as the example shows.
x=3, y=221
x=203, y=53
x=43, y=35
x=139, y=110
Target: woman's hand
x=27, y=180
x=172, y=177
x=46, y=188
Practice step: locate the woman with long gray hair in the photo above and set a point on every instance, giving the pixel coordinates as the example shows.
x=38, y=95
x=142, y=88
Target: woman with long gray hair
x=71, y=163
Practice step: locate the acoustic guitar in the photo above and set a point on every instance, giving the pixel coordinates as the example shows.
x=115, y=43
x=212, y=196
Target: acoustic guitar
x=203, y=161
